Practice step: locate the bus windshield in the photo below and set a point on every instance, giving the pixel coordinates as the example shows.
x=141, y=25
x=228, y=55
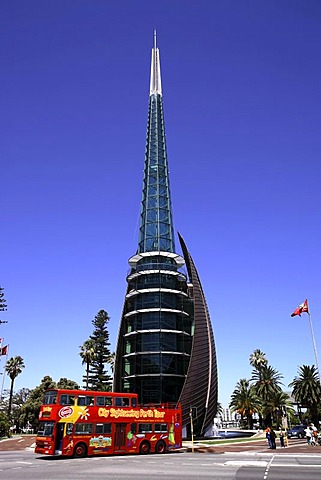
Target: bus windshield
x=45, y=429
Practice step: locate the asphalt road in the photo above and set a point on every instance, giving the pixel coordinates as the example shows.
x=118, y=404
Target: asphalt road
x=295, y=446
x=252, y=461
x=175, y=466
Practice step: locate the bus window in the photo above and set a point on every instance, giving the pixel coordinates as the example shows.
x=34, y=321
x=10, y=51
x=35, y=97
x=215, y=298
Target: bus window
x=85, y=400
x=45, y=429
x=104, y=401
x=134, y=402
x=103, y=428
x=69, y=428
x=50, y=398
x=122, y=402
x=83, y=428
x=145, y=428
x=160, y=427
x=67, y=399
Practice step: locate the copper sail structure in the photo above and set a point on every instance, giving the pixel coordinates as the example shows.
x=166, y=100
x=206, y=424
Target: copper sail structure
x=165, y=350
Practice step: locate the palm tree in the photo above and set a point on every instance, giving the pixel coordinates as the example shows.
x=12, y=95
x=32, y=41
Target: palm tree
x=245, y=401
x=258, y=359
x=87, y=353
x=278, y=406
x=267, y=383
x=14, y=367
x=111, y=361
x=306, y=390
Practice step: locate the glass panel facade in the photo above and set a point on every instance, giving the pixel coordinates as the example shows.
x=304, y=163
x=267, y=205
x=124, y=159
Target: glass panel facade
x=156, y=389
x=157, y=363
x=156, y=225
x=157, y=299
x=155, y=280
x=159, y=320
x=158, y=342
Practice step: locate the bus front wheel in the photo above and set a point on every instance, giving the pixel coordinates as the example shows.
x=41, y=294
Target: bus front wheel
x=80, y=450
x=144, y=448
x=160, y=447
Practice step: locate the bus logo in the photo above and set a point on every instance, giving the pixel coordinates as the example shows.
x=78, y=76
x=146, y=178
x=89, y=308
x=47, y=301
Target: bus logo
x=65, y=412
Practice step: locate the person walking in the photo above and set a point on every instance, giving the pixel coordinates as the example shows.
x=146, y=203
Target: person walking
x=272, y=438
x=268, y=436
x=308, y=435
x=281, y=437
x=314, y=434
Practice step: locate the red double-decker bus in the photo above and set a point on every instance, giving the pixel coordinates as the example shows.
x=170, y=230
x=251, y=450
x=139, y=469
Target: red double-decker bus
x=79, y=423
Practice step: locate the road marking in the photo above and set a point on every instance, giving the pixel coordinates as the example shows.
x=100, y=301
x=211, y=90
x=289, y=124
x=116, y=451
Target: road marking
x=267, y=468
x=246, y=463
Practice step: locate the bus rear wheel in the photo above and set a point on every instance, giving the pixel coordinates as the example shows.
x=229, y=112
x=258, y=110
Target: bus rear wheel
x=144, y=448
x=80, y=450
x=160, y=447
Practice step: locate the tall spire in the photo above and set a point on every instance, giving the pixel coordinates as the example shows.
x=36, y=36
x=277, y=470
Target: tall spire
x=156, y=231
x=165, y=350
x=155, y=75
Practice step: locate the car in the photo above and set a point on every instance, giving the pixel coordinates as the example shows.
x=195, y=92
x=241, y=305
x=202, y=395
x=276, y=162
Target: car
x=298, y=431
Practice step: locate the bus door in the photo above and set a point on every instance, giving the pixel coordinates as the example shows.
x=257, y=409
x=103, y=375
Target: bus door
x=60, y=426
x=120, y=436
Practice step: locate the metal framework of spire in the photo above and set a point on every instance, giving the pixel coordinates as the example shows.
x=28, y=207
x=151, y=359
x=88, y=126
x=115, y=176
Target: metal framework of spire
x=156, y=231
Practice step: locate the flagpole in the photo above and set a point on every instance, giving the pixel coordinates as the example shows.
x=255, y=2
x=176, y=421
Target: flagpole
x=314, y=346
x=4, y=374
x=1, y=339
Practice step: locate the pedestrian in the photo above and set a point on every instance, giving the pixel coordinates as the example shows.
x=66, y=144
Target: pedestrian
x=308, y=435
x=268, y=437
x=314, y=434
x=281, y=437
x=272, y=438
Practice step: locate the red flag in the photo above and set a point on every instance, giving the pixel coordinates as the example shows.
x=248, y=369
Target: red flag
x=303, y=308
x=4, y=350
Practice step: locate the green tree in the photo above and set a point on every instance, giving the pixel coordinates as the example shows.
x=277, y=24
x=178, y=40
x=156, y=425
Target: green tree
x=245, y=401
x=4, y=425
x=14, y=367
x=277, y=406
x=258, y=359
x=3, y=304
x=67, y=384
x=266, y=383
x=29, y=412
x=18, y=401
x=306, y=390
x=99, y=379
x=87, y=354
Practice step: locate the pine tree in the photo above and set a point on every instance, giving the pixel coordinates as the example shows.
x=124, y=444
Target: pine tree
x=3, y=305
x=98, y=378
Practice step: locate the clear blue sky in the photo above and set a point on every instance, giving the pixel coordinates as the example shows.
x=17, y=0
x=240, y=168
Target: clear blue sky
x=242, y=99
